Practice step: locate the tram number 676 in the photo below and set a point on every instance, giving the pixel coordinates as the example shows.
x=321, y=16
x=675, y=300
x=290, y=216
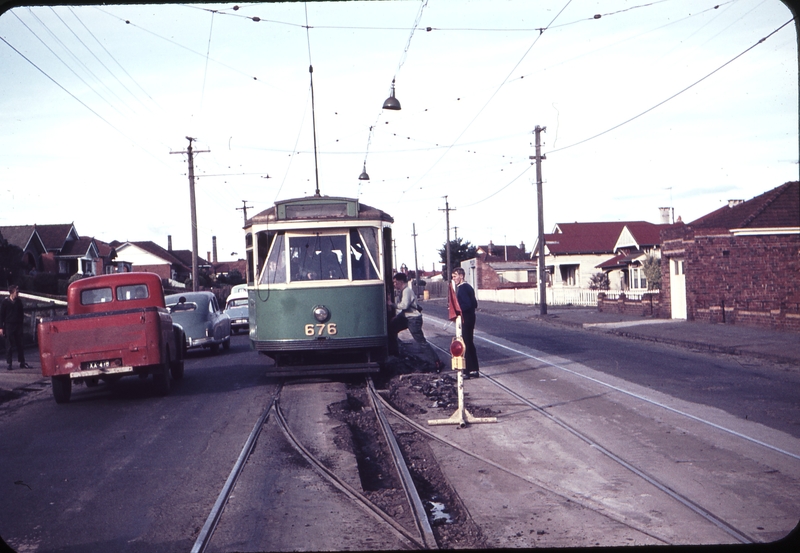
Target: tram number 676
x=320, y=329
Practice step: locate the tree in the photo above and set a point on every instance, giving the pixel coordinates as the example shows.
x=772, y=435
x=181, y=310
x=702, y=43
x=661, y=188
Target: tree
x=599, y=281
x=460, y=250
x=651, y=267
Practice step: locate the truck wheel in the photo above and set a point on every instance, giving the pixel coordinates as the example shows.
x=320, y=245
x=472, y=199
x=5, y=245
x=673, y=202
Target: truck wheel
x=226, y=345
x=161, y=379
x=215, y=348
x=62, y=388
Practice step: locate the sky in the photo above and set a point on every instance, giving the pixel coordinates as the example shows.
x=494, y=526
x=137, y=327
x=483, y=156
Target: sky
x=644, y=105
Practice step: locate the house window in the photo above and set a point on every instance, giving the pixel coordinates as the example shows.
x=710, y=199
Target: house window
x=638, y=280
x=569, y=275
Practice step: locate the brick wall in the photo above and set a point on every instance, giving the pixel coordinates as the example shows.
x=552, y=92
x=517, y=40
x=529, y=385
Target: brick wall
x=748, y=280
x=161, y=270
x=649, y=306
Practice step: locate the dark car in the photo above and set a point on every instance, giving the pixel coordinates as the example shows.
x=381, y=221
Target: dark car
x=204, y=323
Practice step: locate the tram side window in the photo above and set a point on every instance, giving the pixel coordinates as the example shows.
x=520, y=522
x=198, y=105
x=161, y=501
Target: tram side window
x=274, y=271
x=364, y=253
x=318, y=257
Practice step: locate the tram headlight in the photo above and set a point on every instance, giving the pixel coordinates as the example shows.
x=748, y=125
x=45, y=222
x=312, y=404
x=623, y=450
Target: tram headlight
x=321, y=313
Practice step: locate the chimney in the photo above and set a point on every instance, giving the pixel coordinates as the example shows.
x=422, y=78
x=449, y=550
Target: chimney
x=491, y=247
x=733, y=203
x=208, y=257
x=169, y=242
x=664, y=215
x=214, y=248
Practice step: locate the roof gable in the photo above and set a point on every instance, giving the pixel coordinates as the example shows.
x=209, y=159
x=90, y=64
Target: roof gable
x=640, y=234
x=24, y=236
x=82, y=247
x=149, y=248
x=583, y=238
x=55, y=236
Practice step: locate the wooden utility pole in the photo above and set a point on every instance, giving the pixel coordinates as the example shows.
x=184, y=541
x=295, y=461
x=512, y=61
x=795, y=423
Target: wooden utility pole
x=244, y=209
x=193, y=208
x=447, y=210
x=542, y=274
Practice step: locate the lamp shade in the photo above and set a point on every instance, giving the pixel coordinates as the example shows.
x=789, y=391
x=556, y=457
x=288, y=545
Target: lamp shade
x=391, y=102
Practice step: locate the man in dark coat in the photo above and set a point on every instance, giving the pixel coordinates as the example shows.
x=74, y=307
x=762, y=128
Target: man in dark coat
x=12, y=317
x=468, y=304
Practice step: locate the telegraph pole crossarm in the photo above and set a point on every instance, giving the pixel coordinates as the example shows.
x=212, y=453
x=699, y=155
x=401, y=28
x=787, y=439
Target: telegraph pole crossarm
x=447, y=209
x=244, y=208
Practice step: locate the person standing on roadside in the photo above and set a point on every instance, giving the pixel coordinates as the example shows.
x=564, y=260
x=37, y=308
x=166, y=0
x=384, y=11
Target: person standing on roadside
x=409, y=317
x=12, y=317
x=468, y=304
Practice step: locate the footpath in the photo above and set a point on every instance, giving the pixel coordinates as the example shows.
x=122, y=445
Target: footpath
x=761, y=343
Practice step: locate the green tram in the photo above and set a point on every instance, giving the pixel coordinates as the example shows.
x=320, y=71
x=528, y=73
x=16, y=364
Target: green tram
x=319, y=271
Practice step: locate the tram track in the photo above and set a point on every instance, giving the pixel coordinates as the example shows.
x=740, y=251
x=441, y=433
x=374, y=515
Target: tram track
x=421, y=537
x=683, y=499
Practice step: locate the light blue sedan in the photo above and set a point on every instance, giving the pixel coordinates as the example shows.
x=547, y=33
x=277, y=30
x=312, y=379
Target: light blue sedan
x=204, y=323
x=238, y=308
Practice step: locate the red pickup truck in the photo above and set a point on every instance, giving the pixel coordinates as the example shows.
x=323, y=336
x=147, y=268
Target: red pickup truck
x=116, y=325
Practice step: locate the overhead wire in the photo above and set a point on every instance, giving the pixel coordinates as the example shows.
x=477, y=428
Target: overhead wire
x=403, y=57
x=81, y=102
x=661, y=103
x=541, y=32
x=47, y=46
x=640, y=114
x=86, y=67
x=123, y=85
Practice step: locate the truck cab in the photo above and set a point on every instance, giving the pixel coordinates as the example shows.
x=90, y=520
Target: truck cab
x=116, y=325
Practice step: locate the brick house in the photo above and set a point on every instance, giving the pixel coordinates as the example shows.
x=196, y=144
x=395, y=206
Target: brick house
x=58, y=249
x=739, y=264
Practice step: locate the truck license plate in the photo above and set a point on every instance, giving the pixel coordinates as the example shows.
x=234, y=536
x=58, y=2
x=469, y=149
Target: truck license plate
x=98, y=365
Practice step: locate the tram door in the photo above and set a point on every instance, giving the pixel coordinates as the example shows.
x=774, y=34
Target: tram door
x=677, y=287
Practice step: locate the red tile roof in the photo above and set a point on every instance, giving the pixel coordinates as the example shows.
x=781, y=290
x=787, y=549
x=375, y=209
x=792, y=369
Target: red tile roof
x=777, y=208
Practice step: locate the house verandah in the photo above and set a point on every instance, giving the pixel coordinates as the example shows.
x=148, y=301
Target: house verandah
x=574, y=253
x=492, y=282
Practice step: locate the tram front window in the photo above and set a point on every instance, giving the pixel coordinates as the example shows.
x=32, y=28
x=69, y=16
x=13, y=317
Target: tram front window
x=364, y=253
x=274, y=271
x=318, y=257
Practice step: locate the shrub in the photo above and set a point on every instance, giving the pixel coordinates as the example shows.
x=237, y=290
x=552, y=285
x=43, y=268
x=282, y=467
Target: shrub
x=599, y=281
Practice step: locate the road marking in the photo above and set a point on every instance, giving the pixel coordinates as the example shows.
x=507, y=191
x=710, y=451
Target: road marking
x=480, y=336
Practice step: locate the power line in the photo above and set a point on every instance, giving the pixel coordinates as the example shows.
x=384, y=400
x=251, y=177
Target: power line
x=492, y=96
x=674, y=95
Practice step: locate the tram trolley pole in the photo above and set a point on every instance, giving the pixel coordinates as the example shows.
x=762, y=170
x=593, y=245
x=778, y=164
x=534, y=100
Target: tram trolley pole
x=462, y=416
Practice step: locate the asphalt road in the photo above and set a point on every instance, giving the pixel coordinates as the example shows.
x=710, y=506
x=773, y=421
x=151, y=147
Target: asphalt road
x=121, y=469
x=752, y=389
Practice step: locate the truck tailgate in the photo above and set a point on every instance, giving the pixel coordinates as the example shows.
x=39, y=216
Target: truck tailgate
x=122, y=338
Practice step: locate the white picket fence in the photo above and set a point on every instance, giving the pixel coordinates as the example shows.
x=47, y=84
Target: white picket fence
x=580, y=297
